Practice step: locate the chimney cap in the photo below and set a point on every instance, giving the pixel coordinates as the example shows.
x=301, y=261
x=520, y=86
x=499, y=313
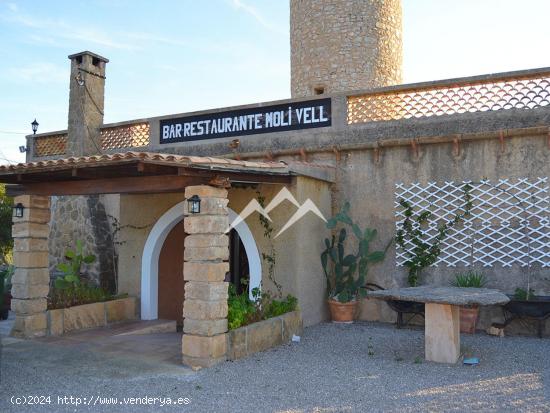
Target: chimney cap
x=86, y=52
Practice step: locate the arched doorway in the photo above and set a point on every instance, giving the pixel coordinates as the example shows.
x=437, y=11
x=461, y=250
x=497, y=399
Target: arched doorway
x=170, y=279
x=152, y=251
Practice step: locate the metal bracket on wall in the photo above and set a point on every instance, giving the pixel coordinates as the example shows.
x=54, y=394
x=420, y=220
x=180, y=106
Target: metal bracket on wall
x=414, y=146
x=303, y=155
x=376, y=153
x=501, y=139
x=456, y=145
x=337, y=153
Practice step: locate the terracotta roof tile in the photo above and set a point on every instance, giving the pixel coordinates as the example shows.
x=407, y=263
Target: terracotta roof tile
x=183, y=160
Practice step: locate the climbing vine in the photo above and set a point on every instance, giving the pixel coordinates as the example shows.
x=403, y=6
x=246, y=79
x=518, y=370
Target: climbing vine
x=424, y=254
x=116, y=228
x=271, y=256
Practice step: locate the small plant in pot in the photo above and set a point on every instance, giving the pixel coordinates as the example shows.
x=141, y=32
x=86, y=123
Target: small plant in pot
x=346, y=273
x=469, y=314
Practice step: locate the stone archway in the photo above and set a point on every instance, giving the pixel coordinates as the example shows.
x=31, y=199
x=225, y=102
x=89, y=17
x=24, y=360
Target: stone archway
x=153, y=246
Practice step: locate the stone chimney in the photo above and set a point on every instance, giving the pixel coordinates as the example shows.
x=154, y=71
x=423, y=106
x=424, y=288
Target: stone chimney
x=86, y=102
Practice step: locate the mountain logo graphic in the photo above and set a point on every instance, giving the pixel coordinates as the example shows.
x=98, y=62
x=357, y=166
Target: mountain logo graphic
x=283, y=195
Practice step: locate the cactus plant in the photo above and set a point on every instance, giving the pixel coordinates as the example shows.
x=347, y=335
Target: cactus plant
x=346, y=274
x=71, y=270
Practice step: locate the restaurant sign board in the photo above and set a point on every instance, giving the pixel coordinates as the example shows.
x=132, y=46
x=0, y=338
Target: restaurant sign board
x=264, y=119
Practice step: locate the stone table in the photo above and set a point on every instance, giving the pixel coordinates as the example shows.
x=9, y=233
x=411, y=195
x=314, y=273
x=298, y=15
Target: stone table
x=442, y=325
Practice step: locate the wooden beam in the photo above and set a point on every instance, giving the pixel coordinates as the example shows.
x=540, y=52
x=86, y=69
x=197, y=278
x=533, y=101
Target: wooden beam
x=256, y=178
x=127, y=185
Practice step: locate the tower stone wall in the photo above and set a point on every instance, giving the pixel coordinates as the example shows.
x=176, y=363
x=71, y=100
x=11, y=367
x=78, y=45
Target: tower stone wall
x=342, y=45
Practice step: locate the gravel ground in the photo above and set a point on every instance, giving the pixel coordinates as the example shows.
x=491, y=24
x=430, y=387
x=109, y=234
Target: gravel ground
x=360, y=367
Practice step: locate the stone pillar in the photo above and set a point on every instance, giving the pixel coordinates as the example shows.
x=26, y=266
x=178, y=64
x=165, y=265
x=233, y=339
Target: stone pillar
x=30, y=282
x=442, y=333
x=205, y=265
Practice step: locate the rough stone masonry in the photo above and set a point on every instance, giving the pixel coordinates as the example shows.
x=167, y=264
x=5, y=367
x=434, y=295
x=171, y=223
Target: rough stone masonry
x=205, y=265
x=341, y=45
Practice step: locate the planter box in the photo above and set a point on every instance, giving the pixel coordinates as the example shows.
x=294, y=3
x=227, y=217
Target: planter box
x=263, y=335
x=86, y=316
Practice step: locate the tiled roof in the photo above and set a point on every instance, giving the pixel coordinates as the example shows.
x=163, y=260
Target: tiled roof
x=147, y=157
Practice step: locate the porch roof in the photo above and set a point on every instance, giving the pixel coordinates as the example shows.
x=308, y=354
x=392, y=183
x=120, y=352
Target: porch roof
x=138, y=172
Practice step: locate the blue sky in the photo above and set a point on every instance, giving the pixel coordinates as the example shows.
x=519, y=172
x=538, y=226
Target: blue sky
x=176, y=56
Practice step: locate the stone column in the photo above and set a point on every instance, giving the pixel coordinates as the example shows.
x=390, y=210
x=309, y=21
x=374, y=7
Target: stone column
x=442, y=333
x=30, y=282
x=205, y=265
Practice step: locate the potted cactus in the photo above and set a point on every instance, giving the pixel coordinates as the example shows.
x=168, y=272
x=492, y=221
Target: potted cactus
x=346, y=273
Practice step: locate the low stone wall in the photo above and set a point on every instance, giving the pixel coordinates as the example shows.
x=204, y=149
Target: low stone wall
x=263, y=335
x=85, y=316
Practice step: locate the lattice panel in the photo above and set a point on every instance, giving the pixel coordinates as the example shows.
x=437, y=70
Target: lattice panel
x=509, y=222
x=481, y=97
x=127, y=136
x=50, y=145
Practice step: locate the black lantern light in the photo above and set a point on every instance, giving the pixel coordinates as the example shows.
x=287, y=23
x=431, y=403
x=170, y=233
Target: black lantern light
x=194, y=204
x=34, y=125
x=19, y=208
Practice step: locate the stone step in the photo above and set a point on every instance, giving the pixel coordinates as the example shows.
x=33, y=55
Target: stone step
x=150, y=327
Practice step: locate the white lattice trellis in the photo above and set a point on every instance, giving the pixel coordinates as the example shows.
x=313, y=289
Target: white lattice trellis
x=509, y=222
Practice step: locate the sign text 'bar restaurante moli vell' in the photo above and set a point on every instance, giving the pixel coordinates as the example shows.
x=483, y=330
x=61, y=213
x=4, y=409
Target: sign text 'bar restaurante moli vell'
x=275, y=118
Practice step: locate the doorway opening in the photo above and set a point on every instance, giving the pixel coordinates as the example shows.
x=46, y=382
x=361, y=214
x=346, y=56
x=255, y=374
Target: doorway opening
x=151, y=257
x=239, y=270
x=171, y=286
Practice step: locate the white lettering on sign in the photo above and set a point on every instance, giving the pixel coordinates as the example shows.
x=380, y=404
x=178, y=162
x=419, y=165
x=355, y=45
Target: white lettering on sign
x=302, y=115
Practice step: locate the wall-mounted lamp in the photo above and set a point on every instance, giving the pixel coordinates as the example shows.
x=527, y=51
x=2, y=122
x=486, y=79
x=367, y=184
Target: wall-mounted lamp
x=22, y=149
x=194, y=204
x=34, y=125
x=18, y=210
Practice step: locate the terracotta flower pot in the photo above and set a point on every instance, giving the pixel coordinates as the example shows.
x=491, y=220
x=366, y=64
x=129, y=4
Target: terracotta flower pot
x=468, y=319
x=342, y=312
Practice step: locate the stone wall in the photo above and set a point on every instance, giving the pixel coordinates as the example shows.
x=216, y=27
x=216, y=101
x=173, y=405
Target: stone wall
x=342, y=45
x=86, y=218
x=368, y=180
x=263, y=335
x=138, y=215
x=81, y=317
x=299, y=274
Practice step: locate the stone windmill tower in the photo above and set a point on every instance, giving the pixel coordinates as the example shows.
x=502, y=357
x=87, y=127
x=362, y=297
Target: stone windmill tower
x=342, y=45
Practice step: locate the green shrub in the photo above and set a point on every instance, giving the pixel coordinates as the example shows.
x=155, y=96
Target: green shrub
x=6, y=211
x=5, y=281
x=242, y=310
x=77, y=295
x=470, y=279
x=69, y=289
x=523, y=295
x=276, y=308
